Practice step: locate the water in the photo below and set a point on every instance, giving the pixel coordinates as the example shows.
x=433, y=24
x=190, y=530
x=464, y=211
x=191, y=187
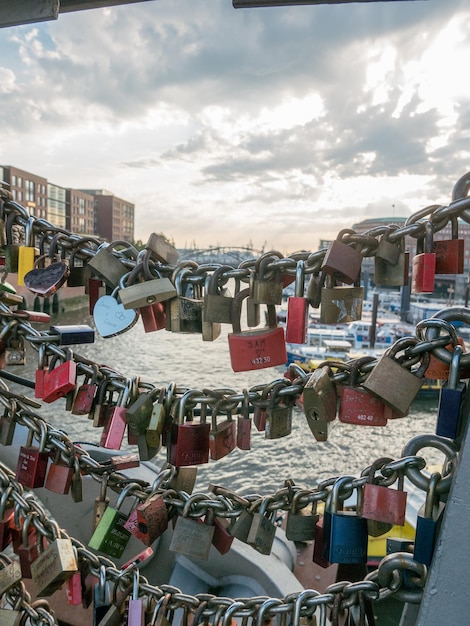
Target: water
x=161, y=357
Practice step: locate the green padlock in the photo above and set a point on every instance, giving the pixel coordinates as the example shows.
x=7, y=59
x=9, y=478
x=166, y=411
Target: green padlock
x=110, y=536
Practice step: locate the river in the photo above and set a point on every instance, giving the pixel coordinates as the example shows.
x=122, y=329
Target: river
x=161, y=357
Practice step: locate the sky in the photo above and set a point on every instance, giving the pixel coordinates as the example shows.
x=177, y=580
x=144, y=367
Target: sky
x=271, y=127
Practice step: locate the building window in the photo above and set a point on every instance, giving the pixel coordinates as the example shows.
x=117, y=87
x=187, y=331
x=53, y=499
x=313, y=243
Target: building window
x=13, y=180
x=30, y=189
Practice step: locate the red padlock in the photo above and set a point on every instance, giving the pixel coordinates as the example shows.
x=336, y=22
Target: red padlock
x=255, y=349
x=189, y=441
x=222, y=436
x=41, y=371
x=450, y=252
x=159, y=312
x=32, y=460
x=380, y=503
x=424, y=264
x=6, y=519
x=27, y=550
x=61, y=379
x=83, y=401
x=342, y=262
x=115, y=427
x=357, y=406
x=95, y=289
x=297, y=309
x=59, y=475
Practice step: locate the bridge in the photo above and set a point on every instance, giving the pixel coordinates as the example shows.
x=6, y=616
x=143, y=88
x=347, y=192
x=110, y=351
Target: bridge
x=222, y=255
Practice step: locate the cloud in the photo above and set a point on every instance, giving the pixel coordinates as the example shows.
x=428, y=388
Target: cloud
x=292, y=119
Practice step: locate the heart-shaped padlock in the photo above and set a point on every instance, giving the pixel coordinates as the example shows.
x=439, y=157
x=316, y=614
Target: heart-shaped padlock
x=111, y=318
x=45, y=281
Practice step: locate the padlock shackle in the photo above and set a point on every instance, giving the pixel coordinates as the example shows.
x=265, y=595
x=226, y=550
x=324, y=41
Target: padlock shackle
x=454, y=370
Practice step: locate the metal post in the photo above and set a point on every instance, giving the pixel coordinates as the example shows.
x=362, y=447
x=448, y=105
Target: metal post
x=445, y=599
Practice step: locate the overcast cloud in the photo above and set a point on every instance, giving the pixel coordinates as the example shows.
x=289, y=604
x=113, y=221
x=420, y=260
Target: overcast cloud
x=275, y=125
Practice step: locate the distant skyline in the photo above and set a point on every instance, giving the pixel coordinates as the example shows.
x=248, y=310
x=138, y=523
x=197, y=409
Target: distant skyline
x=275, y=126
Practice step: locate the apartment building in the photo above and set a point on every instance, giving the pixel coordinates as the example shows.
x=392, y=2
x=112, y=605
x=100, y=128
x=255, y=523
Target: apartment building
x=92, y=212
x=114, y=216
x=80, y=212
x=29, y=190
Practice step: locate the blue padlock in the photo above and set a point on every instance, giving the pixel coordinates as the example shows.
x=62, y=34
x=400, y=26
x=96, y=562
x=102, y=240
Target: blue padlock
x=428, y=523
x=450, y=399
x=345, y=531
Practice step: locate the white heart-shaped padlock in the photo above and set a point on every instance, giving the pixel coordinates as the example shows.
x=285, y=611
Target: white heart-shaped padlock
x=111, y=318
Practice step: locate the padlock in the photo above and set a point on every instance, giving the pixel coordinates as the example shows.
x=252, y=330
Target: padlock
x=42, y=367
x=12, y=246
x=101, y=403
x=221, y=539
x=79, y=272
x=73, y=589
x=387, y=250
x=152, y=516
x=32, y=460
x=210, y=330
x=93, y=288
x=340, y=304
x=451, y=397
x=83, y=401
x=191, y=536
x=314, y=288
x=59, y=379
x=70, y=334
x=392, y=383
x=59, y=475
x=357, y=406
x=222, y=436
x=428, y=523
x=12, y=349
x=161, y=249
x=255, y=349
x=319, y=401
x=108, y=266
x=113, y=432
x=244, y=423
x=6, y=518
x=253, y=317
x=346, y=531
x=135, y=608
x=297, y=309
x=342, y=262
x=54, y=566
x=26, y=252
x=111, y=318
x=388, y=273
x=189, y=440
x=450, y=253
x=438, y=369
x=118, y=608
x=7, y=427
x=424, y=263
x=278, y=413
x=101, y=501
x=110, y=536
x=44, y=281
x=240, y=526
x=137, y=293
x=378, y=503
x=157, y=418
x=186, y=308
x=262, y=530
x=140, y=408
x=301, y=524
x=10, y=573
x=101, y=597
x=267, y=286
x=27, y=551
x=217, y=300
x=76, y=485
